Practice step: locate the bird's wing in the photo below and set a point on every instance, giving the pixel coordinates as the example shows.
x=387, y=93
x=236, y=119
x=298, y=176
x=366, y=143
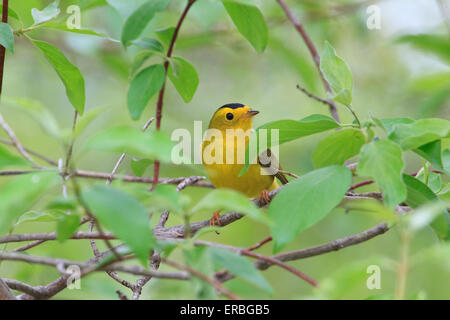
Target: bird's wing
x=268, y=161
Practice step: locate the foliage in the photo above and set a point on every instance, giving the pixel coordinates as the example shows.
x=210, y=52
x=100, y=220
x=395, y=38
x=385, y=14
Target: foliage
x=379, y=152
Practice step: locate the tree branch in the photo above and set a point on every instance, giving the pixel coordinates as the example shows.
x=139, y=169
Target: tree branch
x=312, y=50
x=38, y=155
x=5, y=292
x=216, y=284
x=159, y=104
x=15, y=141
x=260, y=257
x=2, y=48
x=122, y=156
x=334, y=245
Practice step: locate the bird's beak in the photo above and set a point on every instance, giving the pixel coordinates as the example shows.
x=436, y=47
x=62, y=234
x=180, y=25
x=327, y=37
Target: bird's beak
x=250, y=114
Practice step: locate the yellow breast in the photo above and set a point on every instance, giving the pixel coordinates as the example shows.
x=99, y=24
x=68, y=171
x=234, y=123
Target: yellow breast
x=226, y=175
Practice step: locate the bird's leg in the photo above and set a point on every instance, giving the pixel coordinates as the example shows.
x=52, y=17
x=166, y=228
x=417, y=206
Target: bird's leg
x=264, y=197
x=215, y=219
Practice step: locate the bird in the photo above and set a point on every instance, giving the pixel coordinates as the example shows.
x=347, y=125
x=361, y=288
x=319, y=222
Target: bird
x=228, y=136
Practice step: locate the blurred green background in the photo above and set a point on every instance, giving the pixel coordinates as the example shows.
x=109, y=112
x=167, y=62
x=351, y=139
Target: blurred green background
x=391, y=80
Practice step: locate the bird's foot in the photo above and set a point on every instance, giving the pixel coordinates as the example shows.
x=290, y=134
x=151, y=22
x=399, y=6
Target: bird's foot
x=264, y=197
x=215, y=220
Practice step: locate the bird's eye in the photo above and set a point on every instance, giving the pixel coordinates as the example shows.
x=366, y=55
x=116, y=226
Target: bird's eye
x=229, y=116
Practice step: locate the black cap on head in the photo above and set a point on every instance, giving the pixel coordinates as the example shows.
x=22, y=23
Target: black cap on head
x=232, y=105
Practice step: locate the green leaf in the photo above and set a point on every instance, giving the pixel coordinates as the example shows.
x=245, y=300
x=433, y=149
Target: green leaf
x=250, y=23
x=199, y=258
x=435, y=44
x=139, y=19
x=150, y=44
x=66, y=226
x=291, y=129
x=430, y=213
x=240, y=267
x=39, y=113
x=305, y=201
x=338, y=147
x=11, y=12
x=68, y=73
x=20, y=193
x=184, y=78
x=431, y=152
x=338, y=74
x=63, y=203
x=446, y=160
x=8, y=159
x=62, y=26
x=48, y=13
x=420, y=132
x=133, y=141
x=143, y=87
x=434, y=181
x=124, y=216
x=126, y=8
x=6, y=37
x=139, y=166
x=389, y=124
x=166, y=35
x=382, y=161
x=86, y=119
x=373, y=207
x=139, y=60
x=420, y=194
x=230, y=200
x=37, y=216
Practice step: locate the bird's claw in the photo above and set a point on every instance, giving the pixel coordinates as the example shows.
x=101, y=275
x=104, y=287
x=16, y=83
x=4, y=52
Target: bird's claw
x=264, y=197
x=215, y=220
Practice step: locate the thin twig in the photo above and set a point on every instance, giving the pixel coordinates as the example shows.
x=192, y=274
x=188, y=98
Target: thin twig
x=5, y=292
x=261, y=257
x=70, y=148
x=313, y=96
x=3, y=123
x=16, y=142
x=312, y=50
x=29, y=246
x=122, y=156
x=360, y=184
x=124, y=178
x=45, y=292
x=259, y=244
x=141, y=282
x=22, y=287
x=216, y=284
x=288, y=173
x=38, y=242
x=2, y=48
x=34, y=153
x=121, y=295
x=182, y=185
x=334, y=245
x=159, y=104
